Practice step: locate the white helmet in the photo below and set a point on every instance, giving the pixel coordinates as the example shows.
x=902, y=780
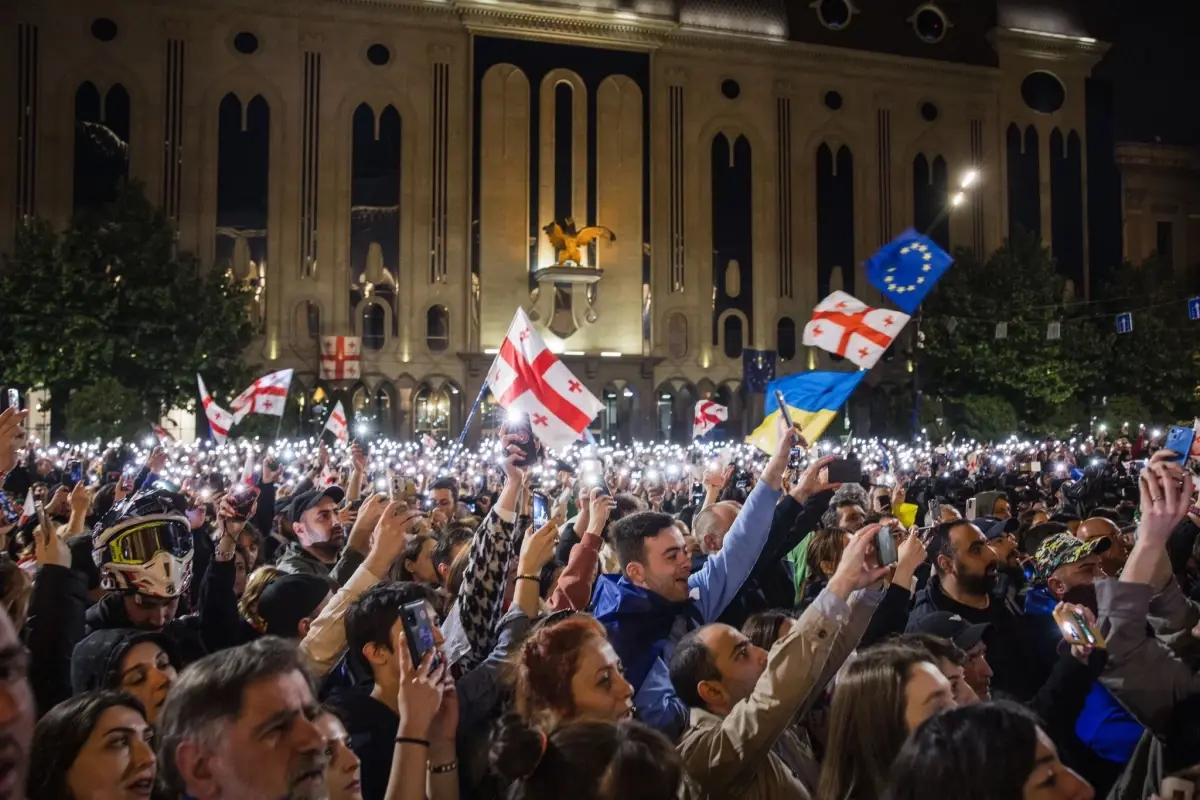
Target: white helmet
x=144, y=546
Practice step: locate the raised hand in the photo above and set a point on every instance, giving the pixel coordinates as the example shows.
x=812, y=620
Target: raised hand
x=420, y=694
x=1166, y=495
x=537, y=548
x=12, y=437
x=813, y=480
x=858, y=567
x=600, y=508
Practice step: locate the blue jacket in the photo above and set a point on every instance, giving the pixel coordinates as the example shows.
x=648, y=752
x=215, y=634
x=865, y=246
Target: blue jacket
x=1104, y=726
x=644, y=628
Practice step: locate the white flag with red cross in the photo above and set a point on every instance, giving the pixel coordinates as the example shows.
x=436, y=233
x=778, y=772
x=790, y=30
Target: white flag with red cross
x=341, y=358
x=337, y=424
x=847, y=326
x=219, y=420
x=708, y=416
x=267, y=395
x=527, y=377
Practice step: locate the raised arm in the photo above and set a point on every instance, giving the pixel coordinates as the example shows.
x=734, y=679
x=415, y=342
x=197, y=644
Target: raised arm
x=724, y=572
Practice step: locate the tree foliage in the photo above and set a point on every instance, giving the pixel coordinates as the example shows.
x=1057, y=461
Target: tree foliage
x=110, y=297
x=105, y=410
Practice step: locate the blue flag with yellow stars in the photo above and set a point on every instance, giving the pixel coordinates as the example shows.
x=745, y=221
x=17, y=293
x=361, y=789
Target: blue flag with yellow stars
x=906, y=269
x=758, y=369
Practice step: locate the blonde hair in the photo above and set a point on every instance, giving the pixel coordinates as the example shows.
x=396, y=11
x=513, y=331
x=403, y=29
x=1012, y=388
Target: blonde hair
x=256, y=584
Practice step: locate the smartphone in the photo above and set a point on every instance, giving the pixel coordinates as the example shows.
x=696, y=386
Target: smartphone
x=1180, y=440
x=1076, y=628
x=273, y=463
x=935, y=512
x=524, y=433
x=885, y=547
x=243, y=498
x=697, y=494
x=845, y=470
x=541, y=510
x=784, y=410
x=44, y=522
x=74, y=471
x=418, y=629
x=971, y=504
x=166, y=485
x=11, y=514
x=12, y=399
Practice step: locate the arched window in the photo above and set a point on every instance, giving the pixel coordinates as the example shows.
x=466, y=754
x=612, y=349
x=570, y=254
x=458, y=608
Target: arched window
x=432, y=412
x=665, y=411
x=384, y=397
x=785, y=339
x=733, y=336
x=677, y=335
x=437, y=329
x=308, y=320
x=612, y=415
x=373, y=326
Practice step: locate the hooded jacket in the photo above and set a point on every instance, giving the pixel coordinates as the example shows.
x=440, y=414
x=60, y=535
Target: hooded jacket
x=96, y=662
x=183, y=632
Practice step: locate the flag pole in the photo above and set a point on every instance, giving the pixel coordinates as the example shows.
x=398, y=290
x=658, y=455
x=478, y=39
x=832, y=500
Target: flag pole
x=457, y=448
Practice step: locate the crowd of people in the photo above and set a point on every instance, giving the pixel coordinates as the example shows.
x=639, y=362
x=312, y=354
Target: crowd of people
x=393, y=620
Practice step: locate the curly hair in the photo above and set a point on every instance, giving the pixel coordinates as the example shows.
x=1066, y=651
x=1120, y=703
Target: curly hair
x=256, y=583
x=545, y=665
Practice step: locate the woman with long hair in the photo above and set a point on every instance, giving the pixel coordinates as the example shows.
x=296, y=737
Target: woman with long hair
x=884, y=693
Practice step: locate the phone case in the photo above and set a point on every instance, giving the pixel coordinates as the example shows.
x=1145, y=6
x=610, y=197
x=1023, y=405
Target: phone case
x=1180, y=440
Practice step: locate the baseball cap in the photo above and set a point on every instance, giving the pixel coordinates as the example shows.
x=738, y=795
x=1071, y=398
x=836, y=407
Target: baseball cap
x=289, y=599
x=949, y=625
x=994, y=527
x=307, y=500
x=1062, y=549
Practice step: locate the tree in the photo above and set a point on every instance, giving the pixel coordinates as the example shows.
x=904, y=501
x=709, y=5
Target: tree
x=1018, y=284
x=1157, y=362
x=111, y=297
x=105, y=410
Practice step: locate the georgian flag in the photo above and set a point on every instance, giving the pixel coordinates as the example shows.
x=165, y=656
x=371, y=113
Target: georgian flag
x=219, y=420
x=708, y=416
x=337, y=424
x=527, y=377
x=845, y=325
x=267, y=395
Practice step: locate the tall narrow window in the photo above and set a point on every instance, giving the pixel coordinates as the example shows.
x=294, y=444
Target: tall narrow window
x=243, y=159
x=1164, y=235
x=437, y=329
x=733, y=336
x=374, y=319
x=101, y=144
x=375, y=206
x=785, y=339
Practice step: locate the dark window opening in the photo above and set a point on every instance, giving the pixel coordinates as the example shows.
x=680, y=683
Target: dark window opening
x=378, y=54
x=104, y=29
x=730, y=88
x=833, y=100
x=733, y=336
x=785, y=339
x=373, y=325
x=245, y=43
x=834, y=14
x=1164, y=240
x=929, y=112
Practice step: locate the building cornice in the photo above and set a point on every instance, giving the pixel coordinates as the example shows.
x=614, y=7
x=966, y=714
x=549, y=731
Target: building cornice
x=1053, y=46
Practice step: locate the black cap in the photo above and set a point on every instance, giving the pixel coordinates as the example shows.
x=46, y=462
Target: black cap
x=289, y=599
x=994, y=527
x=949, y=625
x=306, y=500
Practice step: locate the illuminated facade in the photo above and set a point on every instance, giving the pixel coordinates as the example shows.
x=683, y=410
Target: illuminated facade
x=384, y=170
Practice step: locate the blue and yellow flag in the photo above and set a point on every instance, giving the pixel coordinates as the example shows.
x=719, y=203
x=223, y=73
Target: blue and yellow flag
x=813, y=398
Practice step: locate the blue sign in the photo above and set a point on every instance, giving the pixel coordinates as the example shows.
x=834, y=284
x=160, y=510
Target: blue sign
x=1194, y=308
x=1125, y=323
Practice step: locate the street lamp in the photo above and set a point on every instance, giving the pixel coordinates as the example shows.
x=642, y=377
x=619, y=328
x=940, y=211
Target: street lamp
x=958, y=199
x=968, y=179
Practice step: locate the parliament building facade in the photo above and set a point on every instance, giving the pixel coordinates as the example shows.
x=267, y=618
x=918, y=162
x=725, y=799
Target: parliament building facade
x=384, y=169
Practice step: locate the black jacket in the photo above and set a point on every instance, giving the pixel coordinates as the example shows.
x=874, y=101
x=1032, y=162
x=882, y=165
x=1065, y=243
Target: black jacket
x=184, y=631
x=54, y=627
x=372, y=728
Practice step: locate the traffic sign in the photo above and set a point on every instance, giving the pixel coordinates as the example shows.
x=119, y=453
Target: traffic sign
x=1194, y=308
x=1125, y=323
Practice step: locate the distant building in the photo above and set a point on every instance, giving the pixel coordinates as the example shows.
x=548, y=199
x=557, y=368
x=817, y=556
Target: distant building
x=1161, y=196
x=384, y=169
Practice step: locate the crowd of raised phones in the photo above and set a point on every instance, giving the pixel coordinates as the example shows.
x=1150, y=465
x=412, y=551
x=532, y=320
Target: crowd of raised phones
x=287, y=620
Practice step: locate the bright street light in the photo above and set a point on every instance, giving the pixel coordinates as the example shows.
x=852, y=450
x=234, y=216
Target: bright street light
x=958, y=199
x=968, y=179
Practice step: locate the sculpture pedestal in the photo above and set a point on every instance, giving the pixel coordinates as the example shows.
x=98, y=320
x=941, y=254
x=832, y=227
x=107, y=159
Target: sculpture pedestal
x=563, y=319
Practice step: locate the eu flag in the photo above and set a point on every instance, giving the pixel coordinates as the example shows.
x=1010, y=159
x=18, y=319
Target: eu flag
x=906, y=269
x=758, y=369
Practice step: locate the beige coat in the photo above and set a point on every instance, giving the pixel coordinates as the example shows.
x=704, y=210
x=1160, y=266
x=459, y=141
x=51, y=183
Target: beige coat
x=733, y=756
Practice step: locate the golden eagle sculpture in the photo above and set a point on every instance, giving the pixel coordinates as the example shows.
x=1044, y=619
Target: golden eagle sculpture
x=566, y=241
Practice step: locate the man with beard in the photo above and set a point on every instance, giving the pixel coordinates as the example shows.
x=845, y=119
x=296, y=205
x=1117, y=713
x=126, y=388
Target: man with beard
x=239, y=723
x=1010, y=579
x=319, y=538
x=965, y=577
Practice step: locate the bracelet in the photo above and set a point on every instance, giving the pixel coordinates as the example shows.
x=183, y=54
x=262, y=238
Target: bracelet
x=534, y=578
x=440, y=769
x=412, y=740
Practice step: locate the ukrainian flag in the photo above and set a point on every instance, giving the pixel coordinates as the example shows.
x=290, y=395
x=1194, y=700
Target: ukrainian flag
x=813, y=398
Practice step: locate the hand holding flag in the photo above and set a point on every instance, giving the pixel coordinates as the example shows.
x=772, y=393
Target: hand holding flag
x=219, y=420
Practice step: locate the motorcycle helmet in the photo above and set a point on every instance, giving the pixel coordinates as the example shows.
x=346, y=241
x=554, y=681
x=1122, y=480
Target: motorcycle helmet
x=143, y=545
